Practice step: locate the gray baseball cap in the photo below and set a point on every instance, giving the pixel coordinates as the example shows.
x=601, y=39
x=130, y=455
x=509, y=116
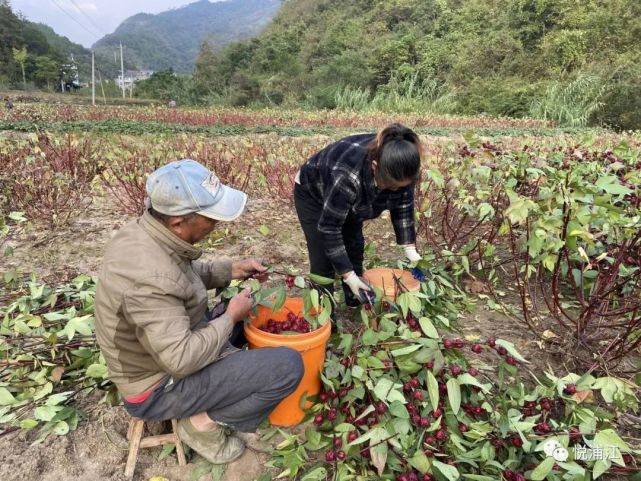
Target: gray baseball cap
x=185, y=187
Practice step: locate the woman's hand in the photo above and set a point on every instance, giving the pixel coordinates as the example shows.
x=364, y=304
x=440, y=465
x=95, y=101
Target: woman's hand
x=246, y=268
x=411, y=253
x=356, y=284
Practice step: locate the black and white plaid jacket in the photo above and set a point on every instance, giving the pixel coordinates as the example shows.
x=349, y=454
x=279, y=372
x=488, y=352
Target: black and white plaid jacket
x=340, y=178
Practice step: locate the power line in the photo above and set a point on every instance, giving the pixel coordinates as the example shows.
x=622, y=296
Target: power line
x=73, y=2
x=55, y=2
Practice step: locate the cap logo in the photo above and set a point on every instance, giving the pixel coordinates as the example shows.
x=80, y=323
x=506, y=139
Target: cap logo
x=211, y=184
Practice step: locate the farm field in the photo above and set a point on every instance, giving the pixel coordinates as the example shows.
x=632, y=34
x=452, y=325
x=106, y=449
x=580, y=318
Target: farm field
x=528, y=324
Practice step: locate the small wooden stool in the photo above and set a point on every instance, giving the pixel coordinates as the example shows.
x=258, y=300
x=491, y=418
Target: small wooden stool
x=137, y=441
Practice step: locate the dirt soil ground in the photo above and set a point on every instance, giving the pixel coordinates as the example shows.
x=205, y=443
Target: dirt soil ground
x=97, y=450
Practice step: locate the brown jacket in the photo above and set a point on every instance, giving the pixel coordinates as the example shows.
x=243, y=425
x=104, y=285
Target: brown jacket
x=150, y=300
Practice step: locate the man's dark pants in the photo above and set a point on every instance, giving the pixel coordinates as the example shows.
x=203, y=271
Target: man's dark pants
x=309, y=212
x=239, y=390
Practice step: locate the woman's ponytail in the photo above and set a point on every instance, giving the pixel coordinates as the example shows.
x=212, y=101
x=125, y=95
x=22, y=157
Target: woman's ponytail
x=397, y=151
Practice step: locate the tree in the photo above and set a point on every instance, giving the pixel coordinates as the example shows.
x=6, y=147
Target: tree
x=20, y=56
x=164, y=85
x=47, y=69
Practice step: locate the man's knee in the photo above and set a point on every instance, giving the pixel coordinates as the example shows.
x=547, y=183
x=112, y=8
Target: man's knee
x=291, y=366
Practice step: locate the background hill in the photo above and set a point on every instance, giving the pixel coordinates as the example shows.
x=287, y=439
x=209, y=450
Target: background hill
x=172, y=39
x=47, y=53
x=570, y=59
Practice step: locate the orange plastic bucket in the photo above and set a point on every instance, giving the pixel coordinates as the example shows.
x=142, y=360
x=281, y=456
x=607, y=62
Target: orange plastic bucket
x=311, y=346
x=383, y=279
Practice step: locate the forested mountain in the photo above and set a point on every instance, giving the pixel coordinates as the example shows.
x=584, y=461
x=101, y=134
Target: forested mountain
x=45, y=55
x=173, y=38
x=500, y=57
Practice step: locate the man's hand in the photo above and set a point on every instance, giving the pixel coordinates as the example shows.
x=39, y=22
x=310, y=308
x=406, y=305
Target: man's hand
x=246, y=268
x=240, y=305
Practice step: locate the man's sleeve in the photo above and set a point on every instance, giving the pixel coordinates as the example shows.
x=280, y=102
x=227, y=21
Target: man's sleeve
x=402, y=215
x=213, y=273
x=338, y=203
x=156, y=307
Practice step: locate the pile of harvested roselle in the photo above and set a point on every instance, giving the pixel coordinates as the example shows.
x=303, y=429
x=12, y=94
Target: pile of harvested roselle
x=293, y=323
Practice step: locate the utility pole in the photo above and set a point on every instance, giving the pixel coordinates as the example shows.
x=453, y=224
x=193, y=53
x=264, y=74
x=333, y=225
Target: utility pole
x=104, y=99
x=122, y=72
x=93, y=79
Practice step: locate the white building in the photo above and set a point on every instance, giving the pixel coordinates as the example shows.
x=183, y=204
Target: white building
x=133, y=76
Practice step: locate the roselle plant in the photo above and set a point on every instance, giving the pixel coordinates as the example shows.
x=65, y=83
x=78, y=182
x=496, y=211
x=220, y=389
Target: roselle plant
x=405, y=399
x=265, y=118
x=458, y=204
x=48, y=177
x=574, y=231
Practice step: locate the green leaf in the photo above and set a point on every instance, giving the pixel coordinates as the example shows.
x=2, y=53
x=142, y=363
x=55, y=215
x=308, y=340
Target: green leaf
x=398, y=409
x=468, y=379
x=370, y=337
x=281, y=297
x=315, y=298
x=454, y=394
x=28, y=423
x=299, y=281
x=600, y=467
x=543, y=469
x=78, y=324
x=420, y=462
x=318, y=474
x=97, y=371
x=199, y=471
x=313, y=438
x=466, y=264
x=17, y=216
x=61, y=428
x=357, y=372
x=403, y=303
x=323, y=281
x=432, y=389
x=378, y=449
x=167, y=449
x=519, y=209
x=428, y=328
x=509, y=347
x=450, y=472
x=346, y=343
x=608, y=438
x=406, y=350
x=485, y=211
x=386, y=390
x=608, y=387
x=264, y=230
x=611, y=185
x=6, y=398
x=46, y=413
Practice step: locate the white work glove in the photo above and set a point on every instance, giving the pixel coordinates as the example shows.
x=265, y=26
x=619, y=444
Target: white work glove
x=411, y=253
x=355, y=284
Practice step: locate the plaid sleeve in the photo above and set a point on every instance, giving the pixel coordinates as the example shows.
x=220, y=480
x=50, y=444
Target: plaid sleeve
x=402, y=214
x=338, y=202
